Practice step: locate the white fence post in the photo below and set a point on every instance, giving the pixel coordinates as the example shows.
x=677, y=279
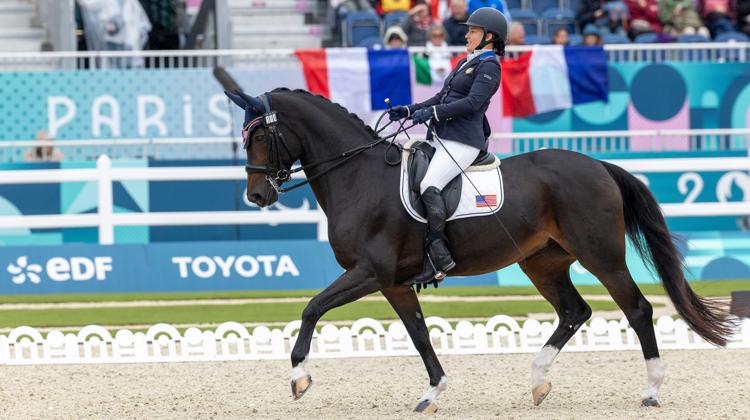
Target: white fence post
x=106, y=225
x=322, y=226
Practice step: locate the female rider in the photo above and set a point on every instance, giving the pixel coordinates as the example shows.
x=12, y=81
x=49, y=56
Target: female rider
x=458, y=121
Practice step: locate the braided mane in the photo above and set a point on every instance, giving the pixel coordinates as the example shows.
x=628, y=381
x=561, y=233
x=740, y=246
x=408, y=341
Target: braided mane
x=352, y=116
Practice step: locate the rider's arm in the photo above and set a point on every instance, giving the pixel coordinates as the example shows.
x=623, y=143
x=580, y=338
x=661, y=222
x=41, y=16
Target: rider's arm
x=486, y=83
x=428, y=103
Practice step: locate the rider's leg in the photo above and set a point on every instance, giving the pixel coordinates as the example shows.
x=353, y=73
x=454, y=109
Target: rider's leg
x=450, y=159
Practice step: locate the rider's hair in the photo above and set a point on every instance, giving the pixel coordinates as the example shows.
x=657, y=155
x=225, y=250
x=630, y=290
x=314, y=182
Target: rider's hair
x=499, y=46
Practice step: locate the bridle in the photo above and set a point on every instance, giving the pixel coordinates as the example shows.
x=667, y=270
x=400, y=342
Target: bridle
x=277, y=171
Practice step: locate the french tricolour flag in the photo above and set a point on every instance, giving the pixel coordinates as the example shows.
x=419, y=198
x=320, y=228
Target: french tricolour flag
x=551, y=78
x=358, y=78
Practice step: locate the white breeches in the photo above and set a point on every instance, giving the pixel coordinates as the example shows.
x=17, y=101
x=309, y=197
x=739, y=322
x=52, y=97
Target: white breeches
x=442, y=168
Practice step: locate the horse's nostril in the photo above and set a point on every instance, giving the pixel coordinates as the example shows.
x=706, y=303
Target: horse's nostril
x=256, y=198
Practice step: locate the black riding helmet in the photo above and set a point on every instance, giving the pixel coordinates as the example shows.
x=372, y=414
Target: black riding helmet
x=491, y=20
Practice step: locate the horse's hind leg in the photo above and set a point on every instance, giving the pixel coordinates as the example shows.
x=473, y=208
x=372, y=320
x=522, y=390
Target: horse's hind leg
x=603, y=254
x=548, y=269
x=405, y=303
x=350, y=286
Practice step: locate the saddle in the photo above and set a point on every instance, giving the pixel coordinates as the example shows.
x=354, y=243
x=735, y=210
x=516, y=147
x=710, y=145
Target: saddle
x=417, y=156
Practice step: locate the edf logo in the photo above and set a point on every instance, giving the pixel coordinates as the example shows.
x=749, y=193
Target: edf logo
x=60, y=269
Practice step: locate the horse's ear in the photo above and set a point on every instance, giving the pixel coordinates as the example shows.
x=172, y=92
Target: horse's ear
x=255, y=104
x=237, y=99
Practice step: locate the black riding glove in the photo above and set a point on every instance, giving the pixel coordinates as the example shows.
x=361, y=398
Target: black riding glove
x=421, y=115
x=398, y=113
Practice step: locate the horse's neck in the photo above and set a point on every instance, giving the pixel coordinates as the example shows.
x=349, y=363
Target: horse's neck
x=338, y=186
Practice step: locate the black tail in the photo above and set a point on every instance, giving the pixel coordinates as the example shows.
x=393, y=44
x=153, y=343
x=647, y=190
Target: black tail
x=647, y=230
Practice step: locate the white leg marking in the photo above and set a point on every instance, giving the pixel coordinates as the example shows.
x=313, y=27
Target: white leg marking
x=299, y=370
x=655, y=377
x=434, y=391
x=541, y=364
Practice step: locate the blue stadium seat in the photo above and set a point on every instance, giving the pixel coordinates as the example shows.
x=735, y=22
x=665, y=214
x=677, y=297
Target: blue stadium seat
x=650, y=38
x=541, y=6
x=556, y=18
x=361, y=25
x=615, y=39
x=393, y=18
x=692, y=38
x=573, y=5
x=514, y=4
x=537, y=40
x=527, y=18
x=732, y=36
x=575, y=39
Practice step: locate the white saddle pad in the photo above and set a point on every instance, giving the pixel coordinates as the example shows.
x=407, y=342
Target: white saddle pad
x=483, y=198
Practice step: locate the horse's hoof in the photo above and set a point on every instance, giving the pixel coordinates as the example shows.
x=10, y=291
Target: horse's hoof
x=539, y=393
x=650, y=402
x=300, y=386
x=426, y=406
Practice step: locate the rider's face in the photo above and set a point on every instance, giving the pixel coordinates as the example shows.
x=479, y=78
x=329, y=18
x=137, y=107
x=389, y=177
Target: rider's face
x=473, y=38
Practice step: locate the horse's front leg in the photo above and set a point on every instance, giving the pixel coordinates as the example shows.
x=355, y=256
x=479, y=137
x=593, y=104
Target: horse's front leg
x=405, y=303
x=350, y=286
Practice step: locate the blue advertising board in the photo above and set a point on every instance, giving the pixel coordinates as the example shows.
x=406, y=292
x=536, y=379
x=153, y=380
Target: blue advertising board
x=279, y=265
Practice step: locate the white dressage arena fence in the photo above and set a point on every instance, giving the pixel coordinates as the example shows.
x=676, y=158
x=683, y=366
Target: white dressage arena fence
x=365, y=338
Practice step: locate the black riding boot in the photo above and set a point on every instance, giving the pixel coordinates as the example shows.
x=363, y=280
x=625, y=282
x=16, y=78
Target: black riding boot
x=438, y=259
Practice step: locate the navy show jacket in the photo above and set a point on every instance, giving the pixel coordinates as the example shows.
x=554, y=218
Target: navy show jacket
x=459, y=107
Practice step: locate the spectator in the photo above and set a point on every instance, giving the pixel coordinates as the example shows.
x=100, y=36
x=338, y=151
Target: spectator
x=163, y=16
x=561, y=36
x=395, y=38
x=497, y=4
x=517, y=34
x=589, y=12
x=45, y=152
x=680, y=18
x=644, y=17
x=454, y=24
x=115, y=25
x=417, y=24
x=718, y=15
x=743, y=16
x=611, y=15
x=591, y=36
x=438, y=55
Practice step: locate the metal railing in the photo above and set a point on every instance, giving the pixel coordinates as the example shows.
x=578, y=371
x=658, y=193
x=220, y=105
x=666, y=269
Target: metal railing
x=616, y=53
x=696, y=140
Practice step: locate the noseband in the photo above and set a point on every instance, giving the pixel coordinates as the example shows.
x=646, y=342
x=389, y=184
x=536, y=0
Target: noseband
x=276, y=173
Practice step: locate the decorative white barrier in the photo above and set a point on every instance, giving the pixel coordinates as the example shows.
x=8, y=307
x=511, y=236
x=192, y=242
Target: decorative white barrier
x=365, y=338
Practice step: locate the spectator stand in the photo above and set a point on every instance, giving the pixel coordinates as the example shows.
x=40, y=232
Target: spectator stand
x=361, y=28
x=528, y=18
x=555, y=18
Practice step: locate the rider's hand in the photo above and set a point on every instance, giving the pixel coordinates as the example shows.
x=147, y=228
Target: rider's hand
x=398, y=113
x=421, y=115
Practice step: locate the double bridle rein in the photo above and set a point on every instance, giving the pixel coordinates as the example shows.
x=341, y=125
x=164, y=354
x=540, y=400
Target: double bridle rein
x=277, y=172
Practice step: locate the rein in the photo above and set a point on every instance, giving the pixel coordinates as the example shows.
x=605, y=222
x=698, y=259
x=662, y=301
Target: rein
x=276, y=175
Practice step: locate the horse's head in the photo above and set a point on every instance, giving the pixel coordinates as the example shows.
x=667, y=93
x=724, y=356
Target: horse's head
x=269, y=159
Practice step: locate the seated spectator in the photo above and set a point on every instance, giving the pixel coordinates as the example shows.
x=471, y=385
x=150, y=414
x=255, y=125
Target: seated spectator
x=438, y=55
x=609, y=15
x=589, y=12
x=644, y=17
x=679, y=17
x=561, y=36
x=44, y=152
x=591, y=36
x=394, y=38
x=454, y=23
x=417, y=24
x=718, y=15
x=743, y=16
x=517, y=34
x=497, y=4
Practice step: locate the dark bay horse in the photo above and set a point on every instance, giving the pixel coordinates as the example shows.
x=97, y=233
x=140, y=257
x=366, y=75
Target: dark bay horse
x=560, y=207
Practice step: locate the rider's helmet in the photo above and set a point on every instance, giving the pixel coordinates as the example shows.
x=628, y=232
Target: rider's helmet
x=491, y=20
